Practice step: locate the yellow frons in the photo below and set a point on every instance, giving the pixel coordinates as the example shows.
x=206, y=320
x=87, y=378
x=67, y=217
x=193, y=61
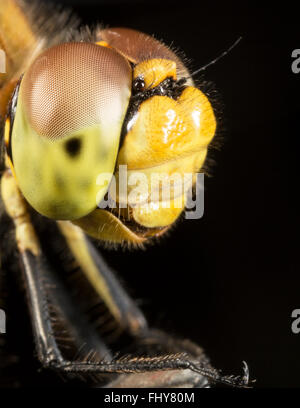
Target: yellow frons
x=166, y=129
x=154, y=71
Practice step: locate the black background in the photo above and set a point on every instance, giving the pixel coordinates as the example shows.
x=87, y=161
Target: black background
x=230, y=280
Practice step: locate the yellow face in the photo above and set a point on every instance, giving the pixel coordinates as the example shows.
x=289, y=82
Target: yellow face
x=167, y=138
x=84, y=110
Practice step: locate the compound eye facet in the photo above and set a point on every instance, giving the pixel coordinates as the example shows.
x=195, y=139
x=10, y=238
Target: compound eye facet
x=70, y=110
x=73, y=86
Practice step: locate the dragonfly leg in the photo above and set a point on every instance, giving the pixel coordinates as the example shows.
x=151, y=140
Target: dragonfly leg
x=102, y=278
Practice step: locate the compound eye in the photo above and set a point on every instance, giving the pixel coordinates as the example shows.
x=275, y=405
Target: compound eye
x=74, y=86
x=70, y=110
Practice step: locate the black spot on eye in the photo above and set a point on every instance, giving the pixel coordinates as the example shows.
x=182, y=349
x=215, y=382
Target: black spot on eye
x=73, y=147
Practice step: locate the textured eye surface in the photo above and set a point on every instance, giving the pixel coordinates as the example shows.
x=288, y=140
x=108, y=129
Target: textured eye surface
x=73, y=86
x=66, y=132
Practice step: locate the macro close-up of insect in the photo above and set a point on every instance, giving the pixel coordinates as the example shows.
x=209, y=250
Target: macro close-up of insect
x=77, y=104
x=105, y=129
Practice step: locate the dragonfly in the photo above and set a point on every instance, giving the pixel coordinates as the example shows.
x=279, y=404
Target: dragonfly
x=78, y=105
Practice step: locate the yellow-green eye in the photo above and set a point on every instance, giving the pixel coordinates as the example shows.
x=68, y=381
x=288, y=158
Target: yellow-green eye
x=70, y=110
